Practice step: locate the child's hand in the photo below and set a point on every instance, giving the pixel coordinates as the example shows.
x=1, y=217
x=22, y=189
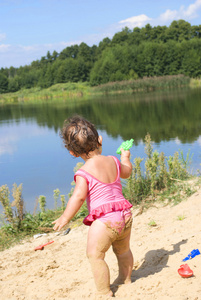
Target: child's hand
x=60, y=223
x=125, y=153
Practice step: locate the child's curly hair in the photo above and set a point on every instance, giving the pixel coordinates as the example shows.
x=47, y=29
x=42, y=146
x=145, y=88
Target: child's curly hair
x=79, y=135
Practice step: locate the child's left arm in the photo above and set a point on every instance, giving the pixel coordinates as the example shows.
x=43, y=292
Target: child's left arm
x=74, y=203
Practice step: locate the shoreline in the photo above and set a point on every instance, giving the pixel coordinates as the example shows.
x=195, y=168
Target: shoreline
x=82, y=90
x=62, y=270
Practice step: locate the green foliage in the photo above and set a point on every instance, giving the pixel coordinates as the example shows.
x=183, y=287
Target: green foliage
x=56, y=196
x=18, y=201
x=144, y=84
x=12, y=216
x=42, y=203
x=63, y=202
x=181, y=217
x=160, y=175
x=5, y=201
x=152, y=223
x=3, y=84
x=19, y=224
x=135, y=188
x=130, y=54
x=177, y=167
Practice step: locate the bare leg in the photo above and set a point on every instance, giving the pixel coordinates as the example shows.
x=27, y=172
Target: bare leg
x=124, y=257
x=99, y=241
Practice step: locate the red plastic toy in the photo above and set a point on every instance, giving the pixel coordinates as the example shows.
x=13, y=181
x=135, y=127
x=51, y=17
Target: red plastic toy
x=41, y=247
x=185, y=271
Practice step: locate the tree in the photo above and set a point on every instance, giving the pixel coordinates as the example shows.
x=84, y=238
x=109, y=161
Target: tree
x=69, y=52
x=122, y=36
x=113, y=65
x=14, y=84
x=49, y=57
x=146, y=32
x=191, y=63
x=3, y=84
x=55, y=54
x=49, y=76
x=135, y=37
x=179, y=30
x=104, y=44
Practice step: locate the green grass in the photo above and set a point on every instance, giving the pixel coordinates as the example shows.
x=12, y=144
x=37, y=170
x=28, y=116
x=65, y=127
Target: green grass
x=195, y=82
x=70, y=90
x=61, y=91
x=181, y=217
x=144, y=84
x=152, y=223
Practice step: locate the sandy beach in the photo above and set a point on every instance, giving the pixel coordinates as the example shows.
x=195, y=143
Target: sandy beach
x=62, y=271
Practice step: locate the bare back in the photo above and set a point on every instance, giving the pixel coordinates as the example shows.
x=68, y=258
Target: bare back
x=102, y=168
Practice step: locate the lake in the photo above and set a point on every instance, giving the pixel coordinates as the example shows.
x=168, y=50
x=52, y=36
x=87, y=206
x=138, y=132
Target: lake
x=32, y=153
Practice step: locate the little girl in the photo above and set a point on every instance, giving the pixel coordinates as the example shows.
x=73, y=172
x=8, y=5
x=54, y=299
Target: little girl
x=110, y=218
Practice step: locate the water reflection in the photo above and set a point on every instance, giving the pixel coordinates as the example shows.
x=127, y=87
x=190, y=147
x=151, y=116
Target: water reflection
x=31, y=151
x=174, y=114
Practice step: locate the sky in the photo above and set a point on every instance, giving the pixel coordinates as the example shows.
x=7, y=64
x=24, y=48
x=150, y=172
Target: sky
x=30, y=28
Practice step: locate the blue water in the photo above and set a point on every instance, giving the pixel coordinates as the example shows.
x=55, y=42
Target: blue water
x=32, y=152
x=36, y=157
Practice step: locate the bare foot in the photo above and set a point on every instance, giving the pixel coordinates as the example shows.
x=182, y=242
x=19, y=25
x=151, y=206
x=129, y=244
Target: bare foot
x=105, y=296
x=110, y=294
x=119, y=281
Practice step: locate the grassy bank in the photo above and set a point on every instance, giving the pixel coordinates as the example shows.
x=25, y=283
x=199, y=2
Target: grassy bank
x=195, y=82
x=155, y=178
x=69, y=91
x=144, y=84
x=65, y=91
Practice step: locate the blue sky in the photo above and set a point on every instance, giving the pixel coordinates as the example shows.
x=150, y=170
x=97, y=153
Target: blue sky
x=29, y=28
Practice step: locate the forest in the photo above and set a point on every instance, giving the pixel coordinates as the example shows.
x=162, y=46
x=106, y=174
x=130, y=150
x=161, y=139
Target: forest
x=129, y=55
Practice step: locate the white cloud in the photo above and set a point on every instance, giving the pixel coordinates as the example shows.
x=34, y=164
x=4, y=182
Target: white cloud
x=168, y=15
x=189, y=13
x=4, y=48
x=7, y=145
x=177, y=141
x=11, y=136
x=136, y=21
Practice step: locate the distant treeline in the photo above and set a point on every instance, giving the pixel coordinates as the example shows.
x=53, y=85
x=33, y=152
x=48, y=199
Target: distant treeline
x=130, y=54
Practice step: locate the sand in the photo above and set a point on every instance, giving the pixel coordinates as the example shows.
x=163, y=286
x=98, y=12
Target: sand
x=62, y=271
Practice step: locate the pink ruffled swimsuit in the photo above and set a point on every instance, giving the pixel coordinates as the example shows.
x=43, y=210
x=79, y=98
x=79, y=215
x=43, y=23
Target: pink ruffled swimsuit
x=105, y=198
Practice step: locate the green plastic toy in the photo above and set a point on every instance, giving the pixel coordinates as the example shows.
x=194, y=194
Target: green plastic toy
x=125, y=145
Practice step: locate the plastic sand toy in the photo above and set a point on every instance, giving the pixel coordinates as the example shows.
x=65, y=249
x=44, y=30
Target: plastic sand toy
x=41, y=247
x=66, y=231
x=185, y=271
x=192, y=254
x=125, y=145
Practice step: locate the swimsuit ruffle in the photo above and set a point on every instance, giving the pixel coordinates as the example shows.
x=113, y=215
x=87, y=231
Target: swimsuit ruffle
x=106, y=208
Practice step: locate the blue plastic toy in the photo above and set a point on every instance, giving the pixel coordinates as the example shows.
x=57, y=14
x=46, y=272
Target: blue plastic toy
x=125, y=145
x=192, y=254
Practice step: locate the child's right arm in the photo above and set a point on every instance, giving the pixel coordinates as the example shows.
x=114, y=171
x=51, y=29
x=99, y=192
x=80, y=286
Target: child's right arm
x=74, y=203
x=126, y=166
